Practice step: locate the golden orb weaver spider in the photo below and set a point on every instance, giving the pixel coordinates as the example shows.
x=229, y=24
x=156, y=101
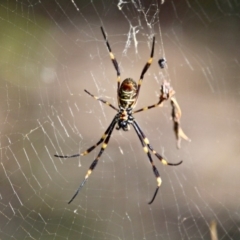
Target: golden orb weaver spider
x=127, y=93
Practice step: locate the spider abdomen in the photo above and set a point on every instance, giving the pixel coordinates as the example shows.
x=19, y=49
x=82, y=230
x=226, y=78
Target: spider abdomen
x=127, y=93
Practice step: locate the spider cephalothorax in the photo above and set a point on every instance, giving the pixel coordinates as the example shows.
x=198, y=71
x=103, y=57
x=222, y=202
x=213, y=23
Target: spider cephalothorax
x=127, y=94
x=124, y=119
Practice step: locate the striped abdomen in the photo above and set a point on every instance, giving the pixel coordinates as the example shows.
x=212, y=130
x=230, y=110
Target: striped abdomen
x=127, y=93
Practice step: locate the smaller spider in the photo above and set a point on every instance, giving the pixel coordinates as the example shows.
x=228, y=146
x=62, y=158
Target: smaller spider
x=127, y=95
x=162, y=62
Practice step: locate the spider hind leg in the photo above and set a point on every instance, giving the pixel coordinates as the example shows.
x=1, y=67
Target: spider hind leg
x=106, y=138
x=155, y=171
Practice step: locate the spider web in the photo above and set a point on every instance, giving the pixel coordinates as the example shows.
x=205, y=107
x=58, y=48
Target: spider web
x=50, y=52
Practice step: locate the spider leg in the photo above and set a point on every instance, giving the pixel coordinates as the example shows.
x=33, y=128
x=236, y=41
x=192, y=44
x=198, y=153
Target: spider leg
x=94, y=163
x=149, y=107
x=166, y=93
x=146, y=141
x=101, y=100
x=92, y=147
x=114, y=61
x=71, y=156
x=155, y=171
x=147, y=65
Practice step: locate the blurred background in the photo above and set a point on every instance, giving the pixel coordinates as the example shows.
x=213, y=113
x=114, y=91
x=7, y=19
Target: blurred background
x=50, y=52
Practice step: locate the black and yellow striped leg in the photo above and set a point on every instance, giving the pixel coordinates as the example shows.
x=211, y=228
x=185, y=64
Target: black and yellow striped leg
x=155, y=171
x=94, y=163
x=147, y=65
x=149, y=107
x=101, y=100
x=146, y=141
x=166, y=93
x=92, y=147
x=114, y=61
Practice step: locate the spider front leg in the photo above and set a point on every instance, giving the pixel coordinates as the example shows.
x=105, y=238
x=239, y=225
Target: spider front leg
x=94, y=163
x=114, y=60
x=145, y=68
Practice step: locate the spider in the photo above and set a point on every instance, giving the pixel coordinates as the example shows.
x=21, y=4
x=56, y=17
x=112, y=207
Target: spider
x=127, y=94
x=162, y=62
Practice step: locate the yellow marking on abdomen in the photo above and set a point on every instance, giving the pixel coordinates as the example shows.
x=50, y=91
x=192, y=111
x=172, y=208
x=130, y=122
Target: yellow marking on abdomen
x=127, y=100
